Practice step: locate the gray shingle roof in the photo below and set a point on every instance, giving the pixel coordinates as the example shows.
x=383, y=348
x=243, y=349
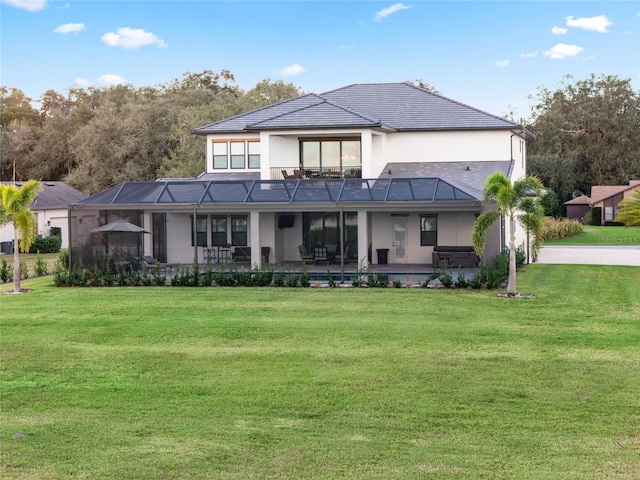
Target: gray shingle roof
x=396, y=106
x=54, y=195
x=469, y=177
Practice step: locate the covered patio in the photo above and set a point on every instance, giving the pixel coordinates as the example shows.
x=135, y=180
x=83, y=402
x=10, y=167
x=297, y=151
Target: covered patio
x=191, y=221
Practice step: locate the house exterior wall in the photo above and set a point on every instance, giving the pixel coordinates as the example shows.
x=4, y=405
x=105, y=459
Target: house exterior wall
x=281, y=150
x=45, y=220
x=454, y=228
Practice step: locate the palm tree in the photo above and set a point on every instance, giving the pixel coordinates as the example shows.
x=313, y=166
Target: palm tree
x=515, y=203
x=629, y=212
x=14, y=209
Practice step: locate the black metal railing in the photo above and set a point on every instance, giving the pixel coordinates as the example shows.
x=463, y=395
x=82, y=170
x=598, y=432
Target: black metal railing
x=293, y=173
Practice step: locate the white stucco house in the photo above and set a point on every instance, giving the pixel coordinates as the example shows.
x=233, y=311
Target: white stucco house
x=51, y=209
x=379, y=172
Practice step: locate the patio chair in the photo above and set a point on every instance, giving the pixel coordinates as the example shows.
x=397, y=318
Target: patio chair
x=298, y=173
x=149, y=261
x=286, y=176
x=338, y=257
x=305, y=255
x=332, y=250
x=320, y=255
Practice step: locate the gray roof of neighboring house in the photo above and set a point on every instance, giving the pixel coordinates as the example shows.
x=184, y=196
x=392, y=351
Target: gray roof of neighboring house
x=392, y=106
x=469, y=177
x=54, y=195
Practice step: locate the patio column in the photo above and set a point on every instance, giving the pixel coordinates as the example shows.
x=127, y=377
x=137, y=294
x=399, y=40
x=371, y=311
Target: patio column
x=254, y=243
x=363, y=238
x=147, y=224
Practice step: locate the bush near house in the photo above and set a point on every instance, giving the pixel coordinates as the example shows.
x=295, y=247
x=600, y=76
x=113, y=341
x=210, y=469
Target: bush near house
x=49, y=244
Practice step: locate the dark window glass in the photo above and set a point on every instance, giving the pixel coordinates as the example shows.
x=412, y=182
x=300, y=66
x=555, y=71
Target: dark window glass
x=219, y=231
x=428, y=230
x=239, y=231
x=201, y=231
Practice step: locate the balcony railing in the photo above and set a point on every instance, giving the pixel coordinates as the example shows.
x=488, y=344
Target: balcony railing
x=295, y=173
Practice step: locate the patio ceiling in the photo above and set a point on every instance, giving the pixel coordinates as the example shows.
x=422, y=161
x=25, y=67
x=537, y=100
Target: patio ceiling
x=200, y=192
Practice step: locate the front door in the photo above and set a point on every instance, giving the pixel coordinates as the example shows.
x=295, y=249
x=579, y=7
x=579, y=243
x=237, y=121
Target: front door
x=400, y=239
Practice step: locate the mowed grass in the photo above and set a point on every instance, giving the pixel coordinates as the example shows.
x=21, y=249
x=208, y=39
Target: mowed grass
x=237, y=383
x=609, y=236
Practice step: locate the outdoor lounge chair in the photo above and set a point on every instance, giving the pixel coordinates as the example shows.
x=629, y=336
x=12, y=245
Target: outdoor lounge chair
x=149, y=261
x=305, y=255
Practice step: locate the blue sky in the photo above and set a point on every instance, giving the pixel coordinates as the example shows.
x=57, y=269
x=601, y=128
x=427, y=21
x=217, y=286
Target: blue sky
x=491, y=55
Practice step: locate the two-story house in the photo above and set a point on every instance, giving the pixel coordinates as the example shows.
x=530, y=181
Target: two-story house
x=376, y=172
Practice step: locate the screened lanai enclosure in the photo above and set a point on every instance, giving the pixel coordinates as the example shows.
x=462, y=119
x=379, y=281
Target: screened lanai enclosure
x=200, y=221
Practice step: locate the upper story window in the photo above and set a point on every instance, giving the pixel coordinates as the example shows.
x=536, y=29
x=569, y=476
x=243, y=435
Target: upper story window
x=236, y=154
x=220, y=150
x=327, y=157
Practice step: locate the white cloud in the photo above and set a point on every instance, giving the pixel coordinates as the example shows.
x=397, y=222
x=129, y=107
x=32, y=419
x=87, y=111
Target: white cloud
x=131, y=38
x=81, y=82
x=111, y=79
x=502, y=63
x=559, y=30
x=291, y=70
x=529, y=54
x=385, y=12
x=29, y=5
x=598, y=24
x=562, y=51
x=69, y=28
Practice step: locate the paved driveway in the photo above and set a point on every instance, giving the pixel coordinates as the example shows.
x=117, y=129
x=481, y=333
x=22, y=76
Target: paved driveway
x=590, y=255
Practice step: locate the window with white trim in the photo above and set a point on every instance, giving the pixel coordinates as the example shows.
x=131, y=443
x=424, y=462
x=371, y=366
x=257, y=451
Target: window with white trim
x=236, y=154
x=220, y=155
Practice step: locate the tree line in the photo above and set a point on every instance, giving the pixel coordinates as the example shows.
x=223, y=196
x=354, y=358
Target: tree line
x=94, y=138
x=587, y=131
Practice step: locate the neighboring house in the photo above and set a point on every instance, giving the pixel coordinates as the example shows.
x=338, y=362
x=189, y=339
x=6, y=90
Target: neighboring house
x=373, y=166
x=607, y=197
x=51, y=208
x=578, y=207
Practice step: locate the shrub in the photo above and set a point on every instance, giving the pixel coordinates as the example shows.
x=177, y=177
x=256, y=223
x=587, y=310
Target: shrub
x=497, y=270
x=330, y=280
x=476, y=280
x=304, y=277
x=55, y=232
x=553, y=229
x=49, y=244
x=6, y=271
x=383, y=280
x=158, y=278
x=280, y=279
x=63, y=259
x=41, y=268
x=461, y=281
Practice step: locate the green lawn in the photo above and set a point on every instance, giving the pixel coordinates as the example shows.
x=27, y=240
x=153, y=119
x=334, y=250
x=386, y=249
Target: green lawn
x=238, y=383
x=619, y=236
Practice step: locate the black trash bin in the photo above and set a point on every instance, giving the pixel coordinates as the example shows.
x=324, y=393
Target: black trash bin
x=383, y=253
x=6, y=247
